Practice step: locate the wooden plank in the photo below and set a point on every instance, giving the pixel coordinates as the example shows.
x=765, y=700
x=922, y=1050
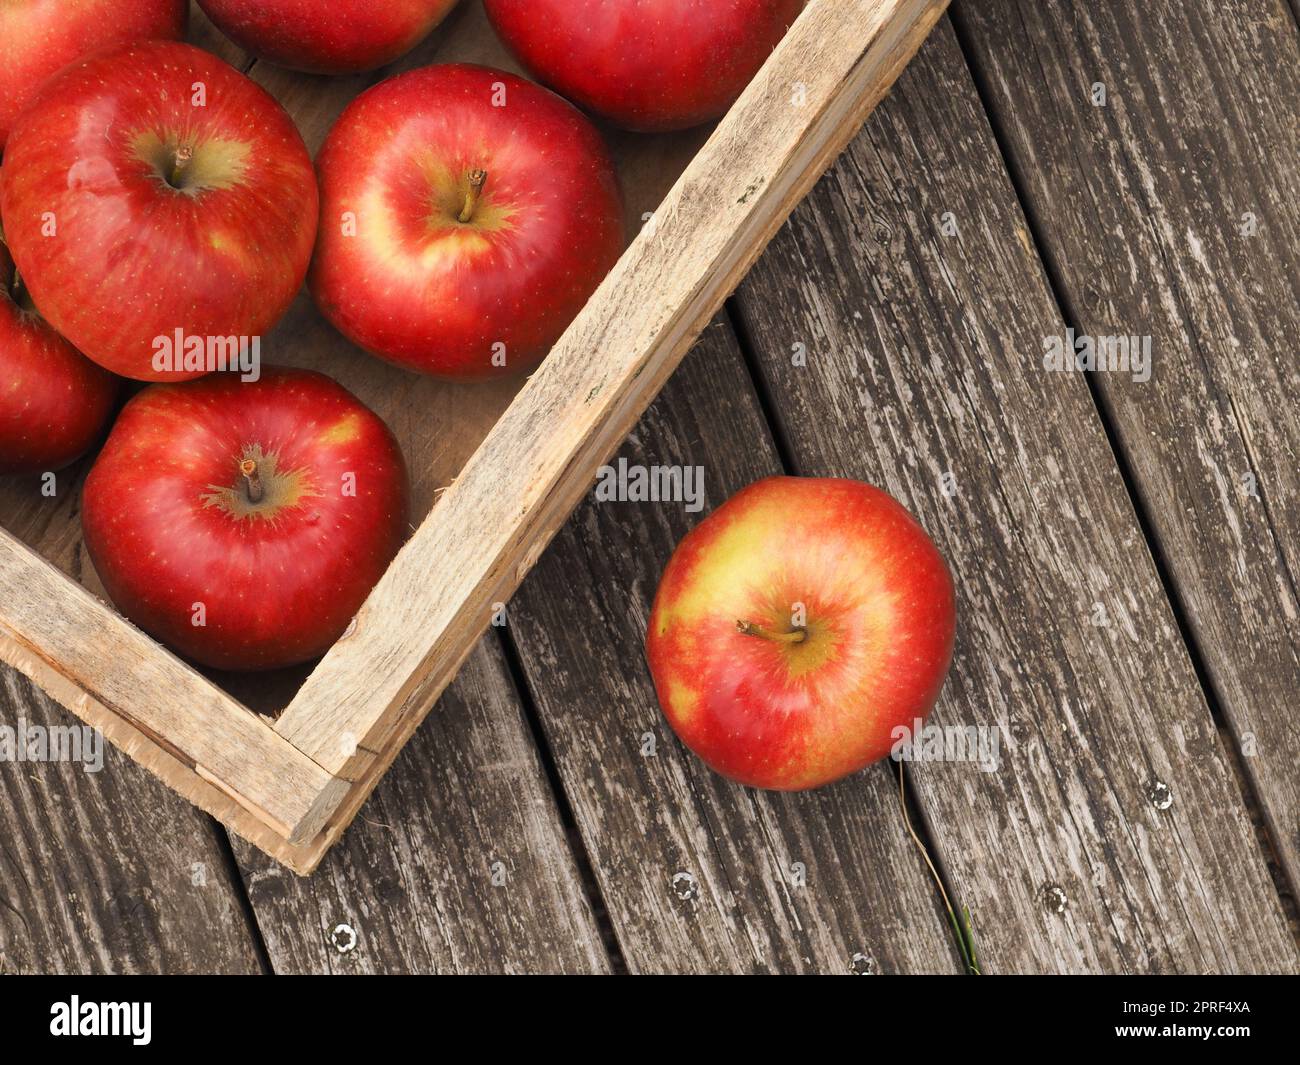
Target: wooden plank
x=1174, y=211
x=537, y=461
x=459, y=862
x=924, y=375
x=107, y=871
x=115, y=677
x=700, y=875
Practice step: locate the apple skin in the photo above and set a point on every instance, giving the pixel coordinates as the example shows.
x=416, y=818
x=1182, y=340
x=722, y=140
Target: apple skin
x=54, y=402
x=168, y=520
x=878, y=633
x=134, y=258
x=422, y=289
x=327, y=36
x=648, y=65
x=43, y=36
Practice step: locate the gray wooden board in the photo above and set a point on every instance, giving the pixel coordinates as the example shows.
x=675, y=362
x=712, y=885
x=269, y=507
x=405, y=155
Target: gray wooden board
x=1174, y=212
x=924, y=360
x=699, y=874
x=108, y=871
x=457, y=864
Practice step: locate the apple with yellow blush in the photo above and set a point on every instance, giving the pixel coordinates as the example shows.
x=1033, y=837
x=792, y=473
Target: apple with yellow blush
x=796, y=627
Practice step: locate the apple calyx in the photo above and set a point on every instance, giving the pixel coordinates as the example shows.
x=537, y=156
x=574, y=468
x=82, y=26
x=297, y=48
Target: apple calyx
x=252, y=480
x=796, y=635
x=475, y=181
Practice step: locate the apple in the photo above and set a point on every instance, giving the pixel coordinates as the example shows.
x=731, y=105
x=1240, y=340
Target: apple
x=43, y=36
x=466, y=217
x=796, y=627
x=327, y=36
x=152, y=189
x=244, y=523
x=54, y=402
x=649, y=65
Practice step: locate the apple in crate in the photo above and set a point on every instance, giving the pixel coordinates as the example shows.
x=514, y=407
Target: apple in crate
x=796, y=627
x=39, y=37
x=54, y=402
x=648, y=65
x=153, y=192
x=466, y=217
x=327, y=36
x=244, y=523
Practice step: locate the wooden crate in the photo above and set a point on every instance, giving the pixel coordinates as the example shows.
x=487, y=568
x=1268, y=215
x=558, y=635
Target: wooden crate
x=287, y=759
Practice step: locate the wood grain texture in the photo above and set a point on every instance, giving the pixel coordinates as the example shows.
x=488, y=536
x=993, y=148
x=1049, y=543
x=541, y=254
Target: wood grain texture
x=515, y=492
x=1174, y=211
x=108, y=871
x=100, y=666
x=699, y=874
x=924, y=375
x=458, y=864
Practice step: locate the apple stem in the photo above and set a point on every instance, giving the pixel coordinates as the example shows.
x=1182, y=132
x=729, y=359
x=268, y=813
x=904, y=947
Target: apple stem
x=252, y=481
x=748, y=628
x=180, y=160
x=477, y=179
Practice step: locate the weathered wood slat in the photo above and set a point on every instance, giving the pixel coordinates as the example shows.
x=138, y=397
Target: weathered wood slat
x=458, y=864
x=1174, y=211
x=152, y=705
x=699, y=874
x=924, y=375
x=108, y=871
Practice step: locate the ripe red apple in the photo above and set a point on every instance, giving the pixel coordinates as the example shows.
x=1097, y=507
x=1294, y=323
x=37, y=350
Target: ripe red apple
x=796, y=626
x=245, y=523
x=42, y=36
x=466, y=217
x=54, y=401
x=327, y=36
x=153, y=188
x=645, y=64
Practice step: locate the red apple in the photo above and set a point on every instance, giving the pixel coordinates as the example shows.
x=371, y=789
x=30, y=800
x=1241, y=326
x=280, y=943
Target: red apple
x=245, y=523
x=645, y=64
x=54, y=402
x=42, y=36
x=466, y=217
x=153, y=188
x=796, y=626
x=327, y=36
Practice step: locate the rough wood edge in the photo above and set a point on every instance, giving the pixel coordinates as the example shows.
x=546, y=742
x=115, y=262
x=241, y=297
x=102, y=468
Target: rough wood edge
x=190, y=783
x=148, y=702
